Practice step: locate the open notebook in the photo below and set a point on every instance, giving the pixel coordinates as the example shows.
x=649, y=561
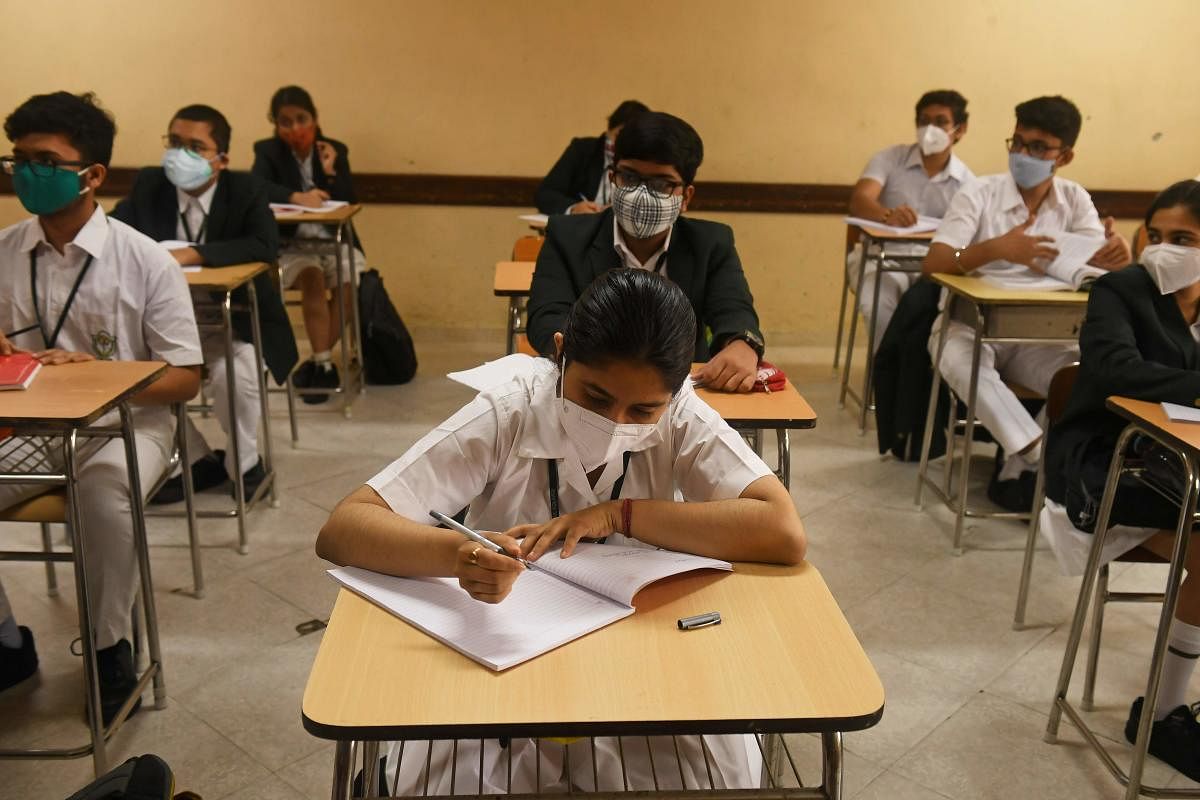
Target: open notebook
x=559, y=601
x=1068, y=271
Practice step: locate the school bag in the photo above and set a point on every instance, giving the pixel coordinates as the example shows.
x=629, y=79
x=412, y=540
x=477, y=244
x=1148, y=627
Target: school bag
x=145, y=777
x=387, y=348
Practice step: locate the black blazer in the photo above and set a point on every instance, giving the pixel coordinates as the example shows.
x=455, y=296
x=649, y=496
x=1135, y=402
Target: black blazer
x=1134, y=343
x=577, y=172
x=275, y=164
x=240, y=229
x=702, y=261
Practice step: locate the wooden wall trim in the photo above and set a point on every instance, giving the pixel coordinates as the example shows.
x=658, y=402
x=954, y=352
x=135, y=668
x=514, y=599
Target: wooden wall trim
x=517, y=192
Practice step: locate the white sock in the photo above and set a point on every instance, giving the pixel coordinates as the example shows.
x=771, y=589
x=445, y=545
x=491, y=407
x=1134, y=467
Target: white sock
x=1183, y=648
x=10, y=634
x=323, y=359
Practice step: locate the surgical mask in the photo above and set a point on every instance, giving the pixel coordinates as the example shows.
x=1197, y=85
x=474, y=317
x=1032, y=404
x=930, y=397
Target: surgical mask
x=1028, y=171
x=642, y=215
x=299, y=137
x=932, y=139
x=47, y=194
x=1172, y=266
x=186, y=169
x=597, y=439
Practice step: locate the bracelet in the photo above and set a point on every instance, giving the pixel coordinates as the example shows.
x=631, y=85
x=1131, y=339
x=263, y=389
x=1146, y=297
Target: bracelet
x=958, y=263
x=626, y=516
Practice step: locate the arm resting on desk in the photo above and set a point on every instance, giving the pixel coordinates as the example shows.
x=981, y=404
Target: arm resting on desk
x=177, y=385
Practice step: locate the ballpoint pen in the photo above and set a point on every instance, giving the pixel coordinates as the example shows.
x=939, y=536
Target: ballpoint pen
x=476, y=537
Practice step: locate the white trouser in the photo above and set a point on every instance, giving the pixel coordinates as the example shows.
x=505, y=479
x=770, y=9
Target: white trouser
x=1030, y=365
x=245, y=397
x=303, y=255
x=734, y=761
x=112, y=568
x=892, y=286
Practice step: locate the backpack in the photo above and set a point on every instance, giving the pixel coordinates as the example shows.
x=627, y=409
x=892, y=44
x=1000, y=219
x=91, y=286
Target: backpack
x=142, y=778
x=387, y=348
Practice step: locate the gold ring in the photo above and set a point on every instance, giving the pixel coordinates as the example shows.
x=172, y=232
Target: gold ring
x=474, y=557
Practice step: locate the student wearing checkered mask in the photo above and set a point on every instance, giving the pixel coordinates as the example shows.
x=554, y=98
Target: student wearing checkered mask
x=654, y=164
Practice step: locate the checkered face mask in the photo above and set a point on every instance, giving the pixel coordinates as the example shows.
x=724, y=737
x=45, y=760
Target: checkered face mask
x=642, y=215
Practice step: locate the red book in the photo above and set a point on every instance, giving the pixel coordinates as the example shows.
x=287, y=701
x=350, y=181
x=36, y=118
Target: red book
x=17, y=371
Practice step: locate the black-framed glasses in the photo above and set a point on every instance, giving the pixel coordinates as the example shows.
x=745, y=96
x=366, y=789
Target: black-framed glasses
x=1035, y=148
x=43, y=169
x=657, y=185
x=170, y=142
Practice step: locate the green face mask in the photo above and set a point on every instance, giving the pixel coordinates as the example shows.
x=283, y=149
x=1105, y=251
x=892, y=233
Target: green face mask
x=45, y=194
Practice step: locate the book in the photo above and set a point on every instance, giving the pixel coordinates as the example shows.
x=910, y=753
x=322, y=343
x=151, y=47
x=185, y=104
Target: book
x=924, y=225
x=284, y=209
x=536, y=220
x=18, y=371
x=1069, y=271
x=558, y=601
x=1178, y=413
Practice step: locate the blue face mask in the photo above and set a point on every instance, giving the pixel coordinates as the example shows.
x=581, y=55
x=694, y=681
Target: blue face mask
x=186, y=169
x=1028, y=171
x=46, y=194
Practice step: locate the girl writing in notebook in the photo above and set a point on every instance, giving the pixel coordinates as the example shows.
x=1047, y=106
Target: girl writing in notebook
x=610, y=441
x=302, y=166
x=1139, y=340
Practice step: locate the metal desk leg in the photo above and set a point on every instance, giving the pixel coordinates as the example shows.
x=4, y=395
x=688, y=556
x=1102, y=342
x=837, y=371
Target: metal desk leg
x=868, y=378
x=370, y=771
x=355, y=322
x=935, y=389
x=341, y=771
x=189, y=495
x=837, y=347
x=340, y=292
x=831, y=765
x=862, y=270
x=91, y=676
x=785, y=457
x=960, y=513
x=264, y=402
x=239, y=487
x=291, y=404
x=514, y=315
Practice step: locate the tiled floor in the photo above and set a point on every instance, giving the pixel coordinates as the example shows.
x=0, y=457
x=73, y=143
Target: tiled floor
x=966, y=695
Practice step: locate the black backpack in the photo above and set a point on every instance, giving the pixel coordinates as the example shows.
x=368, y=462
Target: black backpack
x=142, y=778
x=388, y=353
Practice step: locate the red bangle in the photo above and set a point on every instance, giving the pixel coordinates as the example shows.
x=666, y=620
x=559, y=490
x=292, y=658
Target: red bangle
x=626, y=516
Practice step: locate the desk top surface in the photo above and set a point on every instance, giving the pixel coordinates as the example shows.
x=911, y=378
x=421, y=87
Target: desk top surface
x=784, y=658
x=785, y=408
x=979, y=290
x=225, y=278
x=512, y=278
x=881, y=235
x=1185, y=435
x=323, y=217
x=76, y=395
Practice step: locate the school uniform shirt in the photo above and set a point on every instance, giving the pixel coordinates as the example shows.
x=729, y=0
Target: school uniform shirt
x=901, y=173
x=193, y=215
x=493, y=455
x=132, y=305
x=657, y=262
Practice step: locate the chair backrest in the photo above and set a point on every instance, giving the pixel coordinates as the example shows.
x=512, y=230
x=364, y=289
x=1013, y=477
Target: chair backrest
x=527, y=248
x=1060, y=391
x=853, y=234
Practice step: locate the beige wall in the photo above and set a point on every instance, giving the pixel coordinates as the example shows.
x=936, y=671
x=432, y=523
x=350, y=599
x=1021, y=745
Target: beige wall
x=785, y=90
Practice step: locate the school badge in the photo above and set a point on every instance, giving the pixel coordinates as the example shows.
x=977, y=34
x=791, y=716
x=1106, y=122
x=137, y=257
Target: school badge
x=104, y=345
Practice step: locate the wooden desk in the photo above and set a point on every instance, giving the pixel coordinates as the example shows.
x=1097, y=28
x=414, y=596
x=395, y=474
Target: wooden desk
x=341, y=220
x=1015, y=317
x=869, y=239
x=1183, y=440
x=781, y=411
x=783, y=660
x=512, y=280
x=65, y=402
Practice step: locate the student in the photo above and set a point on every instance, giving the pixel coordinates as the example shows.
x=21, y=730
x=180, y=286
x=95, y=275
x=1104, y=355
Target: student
x=617, y=388
x=902, y=182
x=578, y=181
x=1139, y=340
x=304, y=167
x=194, y=197
x=130, y=302
x=1004, y=224
x=657, y=156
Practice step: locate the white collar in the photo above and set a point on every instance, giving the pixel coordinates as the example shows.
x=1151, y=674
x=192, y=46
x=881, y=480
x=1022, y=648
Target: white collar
x=1011, y=194
x=627, y=256
x=954, y=168
x=90, y=239
x=205, y=199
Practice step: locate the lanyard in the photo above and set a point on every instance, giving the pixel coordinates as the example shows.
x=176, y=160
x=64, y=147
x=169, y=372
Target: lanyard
x=187, y=229
x=37, y=310
x=552, y=468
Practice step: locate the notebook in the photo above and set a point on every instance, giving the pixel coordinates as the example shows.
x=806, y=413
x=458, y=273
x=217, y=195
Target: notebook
x=924, y=225
x=1178, y=413
x=17, y=371
x=292, y=208
x=494, y=373
x=557, y=602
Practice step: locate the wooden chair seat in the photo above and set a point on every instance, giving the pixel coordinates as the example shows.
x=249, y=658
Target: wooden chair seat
x=48, y=507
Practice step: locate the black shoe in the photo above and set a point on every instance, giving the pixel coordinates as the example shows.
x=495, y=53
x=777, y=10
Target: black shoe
x=1174, y=739
x=207, y=473
x=18, y=663
x=322, y=377
x=251, y=480
x=1015, y=494
x=118, y=678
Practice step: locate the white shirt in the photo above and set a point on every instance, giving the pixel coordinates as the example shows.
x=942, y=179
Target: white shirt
x=629, y=260
x=901, y=173
x=991, y=206
x=195, y=210
x=492, y=455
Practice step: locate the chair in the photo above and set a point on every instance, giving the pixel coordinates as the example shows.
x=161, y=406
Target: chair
x=852, y=237
x=1056, y=403
x=525, y=248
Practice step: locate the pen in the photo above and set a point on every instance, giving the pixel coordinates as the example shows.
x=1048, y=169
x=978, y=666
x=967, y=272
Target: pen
x=478, y=538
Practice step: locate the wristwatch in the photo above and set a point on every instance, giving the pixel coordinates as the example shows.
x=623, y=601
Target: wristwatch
x=751, y=338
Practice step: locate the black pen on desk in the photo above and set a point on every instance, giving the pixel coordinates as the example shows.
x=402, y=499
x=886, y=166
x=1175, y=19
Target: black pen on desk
x=476, y=537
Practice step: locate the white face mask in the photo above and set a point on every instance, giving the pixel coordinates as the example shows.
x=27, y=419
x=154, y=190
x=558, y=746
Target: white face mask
x=598, y=440
x=932, y=139
x=1172, y=266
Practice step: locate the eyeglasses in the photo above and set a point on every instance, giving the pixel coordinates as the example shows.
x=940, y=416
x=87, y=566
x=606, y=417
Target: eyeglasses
x=657, y=185
x=172, y=142
x=1035, y=148
x=43, y=169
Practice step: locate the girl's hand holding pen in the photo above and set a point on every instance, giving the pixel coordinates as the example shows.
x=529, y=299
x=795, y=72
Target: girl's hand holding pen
x=487, y=576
